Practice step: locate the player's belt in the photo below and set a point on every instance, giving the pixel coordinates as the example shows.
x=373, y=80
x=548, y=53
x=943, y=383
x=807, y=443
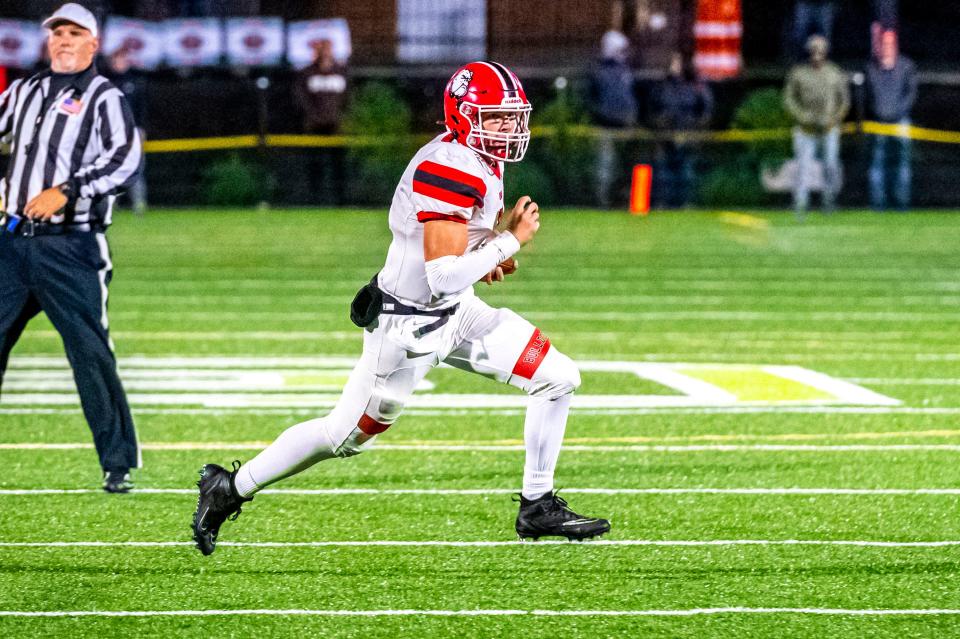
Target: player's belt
x=392, y=306
x=25, y=227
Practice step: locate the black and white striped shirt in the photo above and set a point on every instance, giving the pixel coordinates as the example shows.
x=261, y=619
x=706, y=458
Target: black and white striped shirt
x=85, y=135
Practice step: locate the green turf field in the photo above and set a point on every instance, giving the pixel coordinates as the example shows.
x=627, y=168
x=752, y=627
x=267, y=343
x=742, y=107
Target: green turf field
x=768, y=416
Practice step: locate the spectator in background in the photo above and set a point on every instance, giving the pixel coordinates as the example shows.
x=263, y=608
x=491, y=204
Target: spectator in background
x=320, y=93
x=680, y=103
x=614, y=107
x=811, y=17
x=891, y=93
x=817, y=98
x=132, y=84
x=886, y=17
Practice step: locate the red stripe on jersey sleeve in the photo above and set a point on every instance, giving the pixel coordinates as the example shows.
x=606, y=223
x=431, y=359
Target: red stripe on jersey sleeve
x=426, y=216
x=438, y=193
x=532, y=356
x=456, y=175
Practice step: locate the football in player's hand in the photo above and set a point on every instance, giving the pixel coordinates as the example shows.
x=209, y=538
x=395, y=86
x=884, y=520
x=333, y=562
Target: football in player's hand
x=508, y=266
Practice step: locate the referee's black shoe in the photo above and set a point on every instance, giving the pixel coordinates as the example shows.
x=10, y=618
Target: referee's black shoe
x=117, y=481
x=549, y=516
x=218, y=500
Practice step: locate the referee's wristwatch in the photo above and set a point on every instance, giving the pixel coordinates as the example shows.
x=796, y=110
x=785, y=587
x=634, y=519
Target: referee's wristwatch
x=67, y=189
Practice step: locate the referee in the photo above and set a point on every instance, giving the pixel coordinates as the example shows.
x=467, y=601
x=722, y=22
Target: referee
x=74, y=147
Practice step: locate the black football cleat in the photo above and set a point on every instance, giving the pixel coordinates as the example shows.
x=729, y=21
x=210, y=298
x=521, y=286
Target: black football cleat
x=218, y=501
x=549, y=516
x=117, y=482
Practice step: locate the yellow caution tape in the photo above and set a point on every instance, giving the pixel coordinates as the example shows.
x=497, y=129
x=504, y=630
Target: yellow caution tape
x=201, y=144
x=308, y=141
x=730, y=135
x=912, y=132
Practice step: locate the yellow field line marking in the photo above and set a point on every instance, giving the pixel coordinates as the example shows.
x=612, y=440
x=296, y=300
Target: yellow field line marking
x=470, y=447
x=692, y=438
x=474, y=613
x=745, y=220
x=245, y=445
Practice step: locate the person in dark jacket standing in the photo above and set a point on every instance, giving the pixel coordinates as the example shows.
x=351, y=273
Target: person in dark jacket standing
x=74, y=147
x=614, y=107
x=320, y=93
x=681, y=103
x=891, y=93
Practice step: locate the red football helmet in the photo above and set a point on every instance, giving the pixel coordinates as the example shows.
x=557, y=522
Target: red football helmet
x=479, y=88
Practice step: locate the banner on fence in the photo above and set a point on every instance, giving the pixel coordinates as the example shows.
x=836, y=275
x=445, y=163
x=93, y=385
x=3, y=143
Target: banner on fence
x=193, y=42
x=143, y=41
x=254, y=42
x=302, y=37
x=21, y=43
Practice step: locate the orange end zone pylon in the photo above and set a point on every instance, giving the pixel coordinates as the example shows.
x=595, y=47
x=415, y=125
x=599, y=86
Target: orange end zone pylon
x=640, y=189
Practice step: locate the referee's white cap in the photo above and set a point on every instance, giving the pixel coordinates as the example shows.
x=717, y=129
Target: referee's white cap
x=73, y=12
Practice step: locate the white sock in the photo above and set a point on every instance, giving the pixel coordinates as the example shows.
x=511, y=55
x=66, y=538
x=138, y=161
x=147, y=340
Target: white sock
x=543, y=435
x=296, y=449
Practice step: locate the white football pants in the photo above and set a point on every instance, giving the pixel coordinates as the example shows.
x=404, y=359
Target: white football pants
x=496, y=343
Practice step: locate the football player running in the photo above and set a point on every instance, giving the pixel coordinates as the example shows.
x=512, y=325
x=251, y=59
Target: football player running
x=421, y=310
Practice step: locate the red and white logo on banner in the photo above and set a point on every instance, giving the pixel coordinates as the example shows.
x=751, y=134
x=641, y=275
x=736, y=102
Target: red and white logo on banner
x=143, y=41
x=20, y=43
x=193, y=42
x=303, y=36
x=255, y=41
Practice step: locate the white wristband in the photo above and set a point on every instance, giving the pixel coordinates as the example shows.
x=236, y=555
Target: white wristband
x=452, y=274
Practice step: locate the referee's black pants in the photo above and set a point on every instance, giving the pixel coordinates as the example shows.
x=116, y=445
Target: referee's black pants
x=66, y=276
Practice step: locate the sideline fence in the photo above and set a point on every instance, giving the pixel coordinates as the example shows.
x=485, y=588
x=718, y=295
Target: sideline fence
x=560, y=168
x=179, y=145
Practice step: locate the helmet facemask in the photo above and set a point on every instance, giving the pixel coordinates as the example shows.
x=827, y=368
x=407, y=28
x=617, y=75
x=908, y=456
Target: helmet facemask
x=498, y=145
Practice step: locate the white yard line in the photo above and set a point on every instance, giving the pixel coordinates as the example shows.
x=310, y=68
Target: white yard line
x=694, y=543
x=777, y=448
x=317, y=411
x=717, y=274
x=849, y=393
x=745, y=357
x=195, y=363
x=565, y=316
x=743, y=316
x=311, y=399
x=906, y=381
x=307, y=492
x=298, y=612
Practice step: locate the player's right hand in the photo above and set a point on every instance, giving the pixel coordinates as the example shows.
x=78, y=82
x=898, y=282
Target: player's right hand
x=524, y=219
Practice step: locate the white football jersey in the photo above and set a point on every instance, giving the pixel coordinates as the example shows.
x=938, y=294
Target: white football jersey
x=445, y=180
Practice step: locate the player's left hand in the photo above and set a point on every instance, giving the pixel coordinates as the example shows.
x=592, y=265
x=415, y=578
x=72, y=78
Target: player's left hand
x=496, y=275
x=504, y=268
x=45, y=205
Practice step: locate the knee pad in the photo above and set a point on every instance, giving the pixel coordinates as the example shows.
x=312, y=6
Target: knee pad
x=382, y=409
x=556, y=377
